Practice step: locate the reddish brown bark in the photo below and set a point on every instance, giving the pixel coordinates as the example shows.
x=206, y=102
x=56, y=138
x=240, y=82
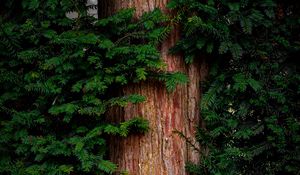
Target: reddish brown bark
x=160, y=151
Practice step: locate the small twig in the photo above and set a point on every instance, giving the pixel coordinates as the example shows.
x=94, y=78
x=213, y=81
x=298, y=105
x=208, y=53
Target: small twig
x=188, y=140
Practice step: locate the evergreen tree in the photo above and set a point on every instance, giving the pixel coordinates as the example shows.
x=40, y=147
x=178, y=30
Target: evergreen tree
x=59, y=77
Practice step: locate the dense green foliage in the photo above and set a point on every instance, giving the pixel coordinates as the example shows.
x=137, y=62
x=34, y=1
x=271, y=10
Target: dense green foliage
x=251, y=104
x=59, y=77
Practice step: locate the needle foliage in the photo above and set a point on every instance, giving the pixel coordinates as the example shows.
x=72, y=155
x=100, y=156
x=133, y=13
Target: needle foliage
x=251, y=102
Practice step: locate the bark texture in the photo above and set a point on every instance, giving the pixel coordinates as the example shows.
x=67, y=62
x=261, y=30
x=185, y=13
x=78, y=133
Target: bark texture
x=160, y=151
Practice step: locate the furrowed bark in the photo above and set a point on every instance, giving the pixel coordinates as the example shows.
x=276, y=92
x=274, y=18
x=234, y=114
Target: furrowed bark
x=160, y=151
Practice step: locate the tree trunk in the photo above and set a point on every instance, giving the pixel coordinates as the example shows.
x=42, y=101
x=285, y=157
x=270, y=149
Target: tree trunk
x=160, y=151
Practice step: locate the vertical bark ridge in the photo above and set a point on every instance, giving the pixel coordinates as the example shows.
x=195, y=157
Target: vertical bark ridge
x=160, y=151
